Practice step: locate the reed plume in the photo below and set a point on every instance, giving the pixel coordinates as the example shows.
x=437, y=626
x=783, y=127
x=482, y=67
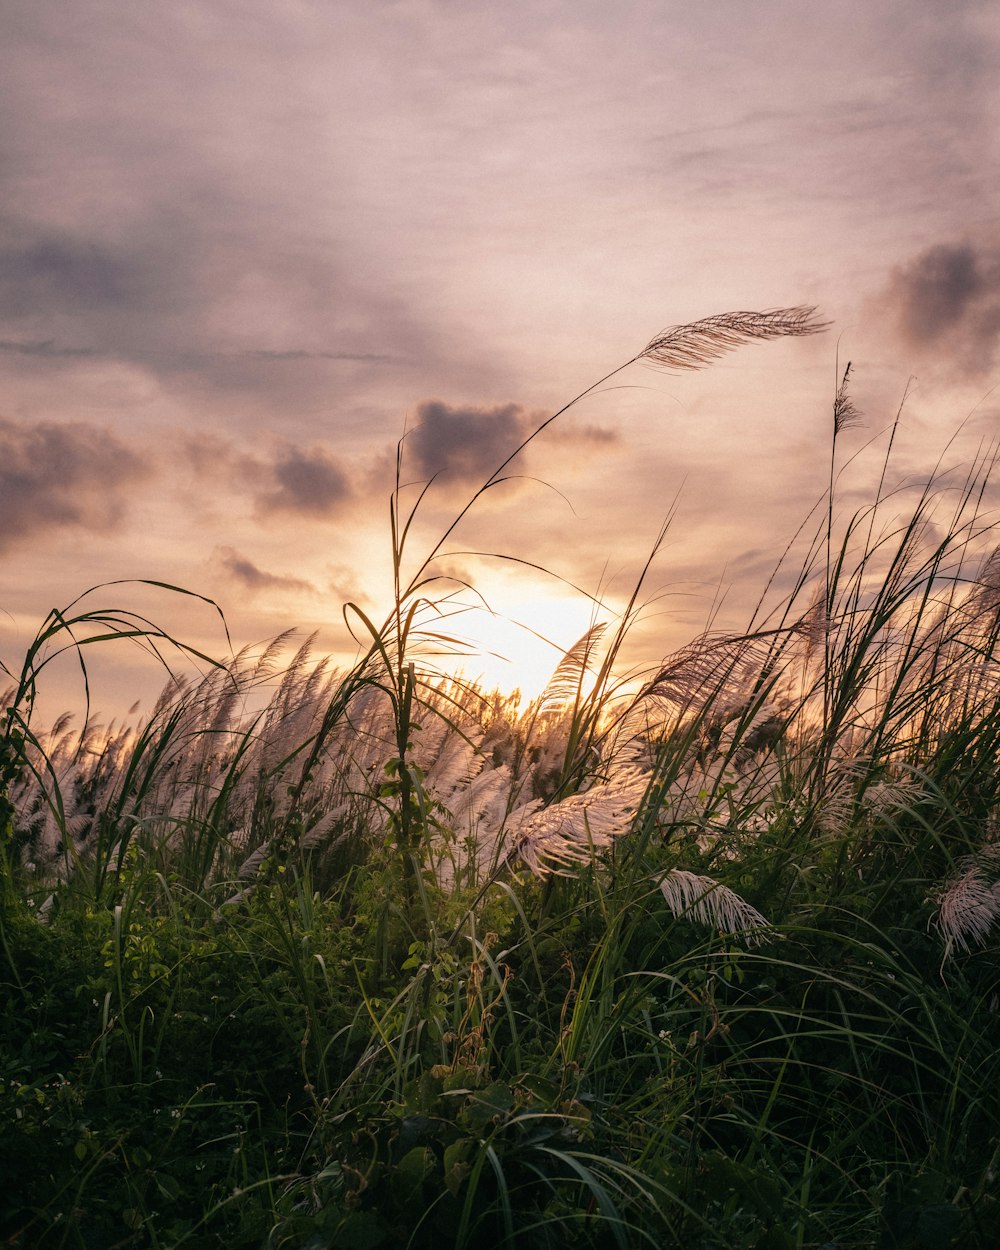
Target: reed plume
x=709, y=902
x=845, y=414
x=700, y=342
x=970, y=905
x=567, y=682
x=568, y=833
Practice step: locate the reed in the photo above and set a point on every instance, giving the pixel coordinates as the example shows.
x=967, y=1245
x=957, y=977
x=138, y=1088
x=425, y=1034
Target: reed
x=705, y=957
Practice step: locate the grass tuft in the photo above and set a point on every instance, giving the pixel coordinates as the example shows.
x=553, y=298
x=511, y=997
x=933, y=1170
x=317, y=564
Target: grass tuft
x=392, y=961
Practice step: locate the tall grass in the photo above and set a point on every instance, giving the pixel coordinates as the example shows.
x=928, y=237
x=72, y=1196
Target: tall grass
x=705, y=959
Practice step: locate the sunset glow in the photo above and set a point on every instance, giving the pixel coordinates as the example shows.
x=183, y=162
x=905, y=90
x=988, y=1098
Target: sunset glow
x=521, y=649
x=243, y=250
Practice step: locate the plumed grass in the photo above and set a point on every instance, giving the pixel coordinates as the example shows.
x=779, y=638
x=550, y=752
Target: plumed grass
x=703, y=958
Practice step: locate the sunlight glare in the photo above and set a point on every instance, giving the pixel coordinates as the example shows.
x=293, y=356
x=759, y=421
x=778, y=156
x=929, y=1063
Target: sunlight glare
x=520, y=648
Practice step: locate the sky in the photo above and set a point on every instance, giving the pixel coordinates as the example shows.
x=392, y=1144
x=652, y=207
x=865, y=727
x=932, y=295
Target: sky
x=246, y=248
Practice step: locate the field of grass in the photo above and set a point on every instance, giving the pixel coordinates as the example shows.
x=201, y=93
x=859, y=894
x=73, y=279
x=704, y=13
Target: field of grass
x=704, y=960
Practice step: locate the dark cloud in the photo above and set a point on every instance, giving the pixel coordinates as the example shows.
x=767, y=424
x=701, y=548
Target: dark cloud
x=170, y=291
x=946, y=301
x=45, y=348
x=49, y=349
x=54, y=475
x=65, y=275
x=464, y=444
x=119, y=294
x=358, y=357
x=219, y=318
x=310, y=483
x=289, y=479
x=253, y=578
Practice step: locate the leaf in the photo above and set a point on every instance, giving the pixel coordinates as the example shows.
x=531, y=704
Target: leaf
x=488, y=1104
x=546, y=1091
x=411, y=1171
x=456, y=1164
x=361, y=1230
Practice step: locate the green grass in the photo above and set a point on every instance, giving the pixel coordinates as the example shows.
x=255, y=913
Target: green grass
x=305, y=977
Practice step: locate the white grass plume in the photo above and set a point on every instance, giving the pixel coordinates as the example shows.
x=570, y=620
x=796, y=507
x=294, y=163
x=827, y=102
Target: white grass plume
x=850, y=794
x=970, y=905
x=567, y=833
x=566, y=683
x=715, y=674
x=708, y=902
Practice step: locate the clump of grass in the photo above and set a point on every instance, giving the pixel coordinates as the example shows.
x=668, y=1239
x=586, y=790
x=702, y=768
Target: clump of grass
x=705, y=958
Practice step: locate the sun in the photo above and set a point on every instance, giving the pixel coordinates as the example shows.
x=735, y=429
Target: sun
x=519, y=648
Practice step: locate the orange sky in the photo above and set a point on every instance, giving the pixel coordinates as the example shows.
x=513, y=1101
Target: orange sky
x=244, y=246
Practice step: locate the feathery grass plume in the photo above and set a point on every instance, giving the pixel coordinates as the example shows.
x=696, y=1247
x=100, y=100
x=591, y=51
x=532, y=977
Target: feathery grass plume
x=845, y=414
x=715, y=670
x=567, y=682
x=709, y=902
x=814, y=626
x=969, y=906
x=480, y=812
x=51, y=821
x=852, y=791
x=815, y=630
x=892, y=795
x=451, y=768
x=700, y=342
x=567, y=833
x=985, y=598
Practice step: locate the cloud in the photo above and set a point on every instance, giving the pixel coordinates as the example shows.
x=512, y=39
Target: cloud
x=310, y=483
x=252, y=578
x=297, y=354
x=283, y=479
x=46, y=348
x=466, y=444
x=215, y=456
x=946, y=301
x=54, y=475
x=124, y=246
x=596, y=436
x=67, y=275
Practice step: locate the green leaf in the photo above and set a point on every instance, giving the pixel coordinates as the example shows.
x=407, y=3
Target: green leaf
x=411, y=1171
x=456, y=1164
x=361, y=1230
x=486, y=1105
